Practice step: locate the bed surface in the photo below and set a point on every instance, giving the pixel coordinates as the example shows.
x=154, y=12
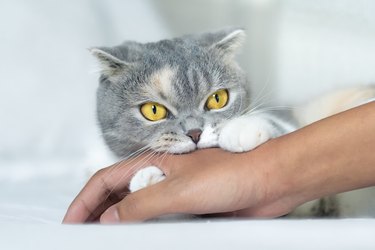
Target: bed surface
x=271, y=234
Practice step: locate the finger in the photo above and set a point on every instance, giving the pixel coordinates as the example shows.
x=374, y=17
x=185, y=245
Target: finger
x=93, y=199
x=105, y=188
x=142, y=205
x=77, y=212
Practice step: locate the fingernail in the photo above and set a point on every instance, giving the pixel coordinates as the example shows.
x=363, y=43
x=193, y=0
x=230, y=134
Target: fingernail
x=110, y=216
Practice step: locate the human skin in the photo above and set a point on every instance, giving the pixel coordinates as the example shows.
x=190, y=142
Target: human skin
x=327, y=157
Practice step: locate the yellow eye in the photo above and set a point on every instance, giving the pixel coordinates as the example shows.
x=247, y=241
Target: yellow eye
x=153, y=111
x=217, y=100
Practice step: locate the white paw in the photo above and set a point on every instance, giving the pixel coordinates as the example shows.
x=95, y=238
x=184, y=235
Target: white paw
x=208, y=138
x=146, y=177
x=244, y=133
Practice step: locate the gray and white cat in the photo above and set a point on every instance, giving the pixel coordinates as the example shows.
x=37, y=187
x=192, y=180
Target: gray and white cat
x=187, y=93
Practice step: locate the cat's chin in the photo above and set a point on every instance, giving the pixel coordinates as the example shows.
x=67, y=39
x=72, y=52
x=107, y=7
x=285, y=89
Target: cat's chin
x=188, y=148
x=208, y=145
x=182, y=149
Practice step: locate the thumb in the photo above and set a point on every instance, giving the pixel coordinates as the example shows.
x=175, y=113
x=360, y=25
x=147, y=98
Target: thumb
x=144, y=204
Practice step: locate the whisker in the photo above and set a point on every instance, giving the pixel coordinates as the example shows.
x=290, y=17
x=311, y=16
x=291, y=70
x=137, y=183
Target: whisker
x=266, y=109
x=149, y=155
x=136, y=154
x=164, y=156
x=260, y=97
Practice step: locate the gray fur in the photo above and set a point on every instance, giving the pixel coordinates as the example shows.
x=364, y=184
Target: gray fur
x=199, y=71
x=201, y=65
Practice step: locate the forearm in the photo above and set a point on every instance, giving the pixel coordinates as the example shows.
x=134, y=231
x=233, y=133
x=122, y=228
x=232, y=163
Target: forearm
x=333, y=155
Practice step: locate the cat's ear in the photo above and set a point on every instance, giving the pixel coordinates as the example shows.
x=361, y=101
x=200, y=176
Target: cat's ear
x=226, y=41
x=110, y=66
x=231, y=41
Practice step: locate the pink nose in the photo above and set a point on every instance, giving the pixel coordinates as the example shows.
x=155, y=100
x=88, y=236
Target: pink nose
x=194, y=134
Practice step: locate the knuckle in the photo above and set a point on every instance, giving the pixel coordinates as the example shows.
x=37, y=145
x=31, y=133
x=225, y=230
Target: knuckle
x=99, y=178
x=100, y=173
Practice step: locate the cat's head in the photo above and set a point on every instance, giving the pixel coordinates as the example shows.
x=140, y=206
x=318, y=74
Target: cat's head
x=172, y=95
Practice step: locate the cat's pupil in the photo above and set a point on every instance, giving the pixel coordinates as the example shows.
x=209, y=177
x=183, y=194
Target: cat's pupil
x=217, y=98
x=153, y=109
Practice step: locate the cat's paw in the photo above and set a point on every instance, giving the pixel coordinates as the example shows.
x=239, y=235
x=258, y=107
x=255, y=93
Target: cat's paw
x=243, y=134
x=146, y=177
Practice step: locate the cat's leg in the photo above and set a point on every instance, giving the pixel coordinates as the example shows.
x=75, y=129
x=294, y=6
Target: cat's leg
x=246, y=132
x=326, y=207
x=146, y=177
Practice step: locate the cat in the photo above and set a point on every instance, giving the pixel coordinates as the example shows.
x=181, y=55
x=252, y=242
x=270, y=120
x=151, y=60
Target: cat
x=183, y=94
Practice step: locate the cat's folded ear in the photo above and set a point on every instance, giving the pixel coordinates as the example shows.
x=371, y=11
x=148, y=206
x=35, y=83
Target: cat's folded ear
x=226, y=41
x=110, y=65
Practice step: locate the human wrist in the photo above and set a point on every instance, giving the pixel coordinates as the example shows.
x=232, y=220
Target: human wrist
x=284, y=190
x=291, y=185
x=283, y=178
x=270, y=172
x=297, y=172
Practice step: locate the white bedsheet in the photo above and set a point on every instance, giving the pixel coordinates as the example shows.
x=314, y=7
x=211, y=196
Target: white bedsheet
x=272, y=234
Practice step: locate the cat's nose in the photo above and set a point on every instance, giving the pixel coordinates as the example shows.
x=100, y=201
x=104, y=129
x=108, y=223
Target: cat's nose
x=194, y=134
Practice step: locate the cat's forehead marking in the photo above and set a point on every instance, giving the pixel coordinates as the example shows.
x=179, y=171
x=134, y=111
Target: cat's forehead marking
x=159, y=87
x=161, y=81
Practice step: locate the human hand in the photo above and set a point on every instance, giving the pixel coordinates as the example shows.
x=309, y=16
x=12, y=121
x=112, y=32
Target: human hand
x=271, y=180
x=203, y=182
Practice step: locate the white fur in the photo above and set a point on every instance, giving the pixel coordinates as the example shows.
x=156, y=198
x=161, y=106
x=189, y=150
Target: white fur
x=146, y=177
x=334, y=103
x=184, y=146
x=208, y=138
x=245, y=133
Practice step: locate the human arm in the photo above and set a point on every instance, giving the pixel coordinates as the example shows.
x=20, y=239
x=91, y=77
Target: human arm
x=330, y=156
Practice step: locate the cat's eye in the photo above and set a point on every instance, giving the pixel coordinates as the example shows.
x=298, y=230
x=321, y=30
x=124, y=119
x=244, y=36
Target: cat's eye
x=153, y=111
x=217, y=100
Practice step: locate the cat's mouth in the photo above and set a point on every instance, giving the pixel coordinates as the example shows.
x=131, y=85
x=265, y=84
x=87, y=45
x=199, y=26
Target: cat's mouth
x=181, y=144
x=188, y=146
